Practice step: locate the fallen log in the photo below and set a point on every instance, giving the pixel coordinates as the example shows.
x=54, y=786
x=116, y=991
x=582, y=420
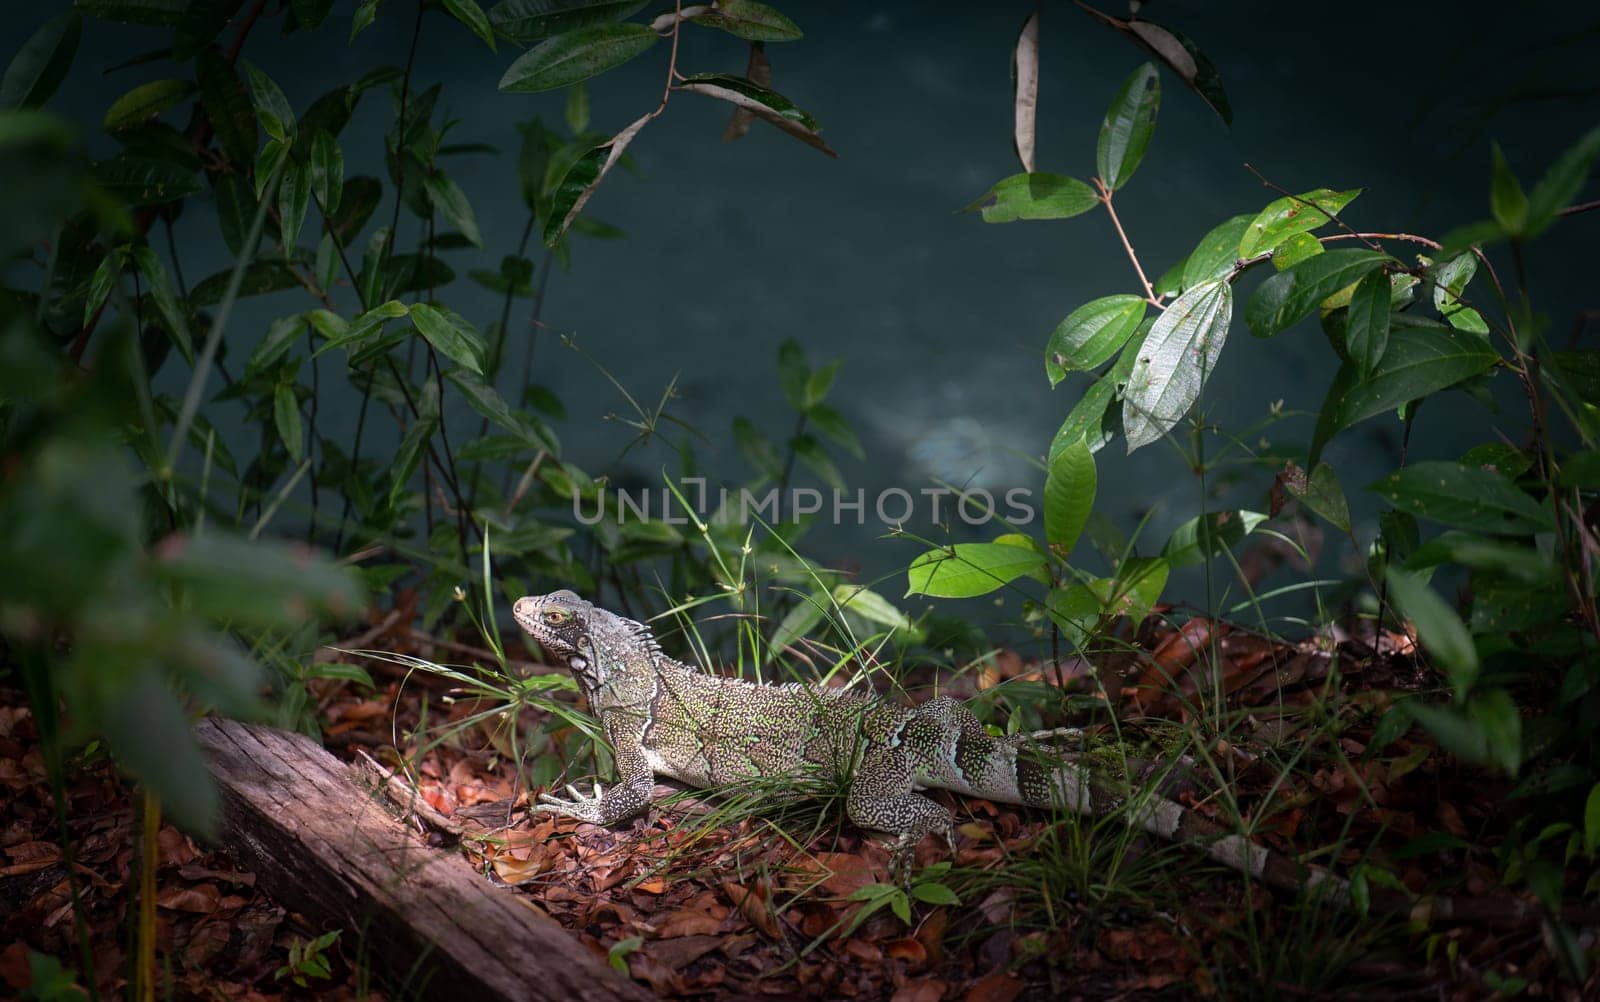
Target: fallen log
x=428, y=925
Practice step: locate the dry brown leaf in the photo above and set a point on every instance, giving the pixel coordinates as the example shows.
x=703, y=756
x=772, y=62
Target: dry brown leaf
x=201, y=898
x=687, y=923
x=676, y=954
x=925, y=990
x=997, y=987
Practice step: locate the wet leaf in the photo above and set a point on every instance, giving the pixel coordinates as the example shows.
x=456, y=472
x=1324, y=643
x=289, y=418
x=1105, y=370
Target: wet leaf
x=576, y=55
x=1035, y=196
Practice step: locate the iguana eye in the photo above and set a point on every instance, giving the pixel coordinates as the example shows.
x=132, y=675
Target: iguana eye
x=554, y=616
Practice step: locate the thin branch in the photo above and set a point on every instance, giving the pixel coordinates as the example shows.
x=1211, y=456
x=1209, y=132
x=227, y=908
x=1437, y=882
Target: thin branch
x=1105, y=199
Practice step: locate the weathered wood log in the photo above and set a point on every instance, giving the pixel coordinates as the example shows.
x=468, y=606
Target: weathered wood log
x=322, y=845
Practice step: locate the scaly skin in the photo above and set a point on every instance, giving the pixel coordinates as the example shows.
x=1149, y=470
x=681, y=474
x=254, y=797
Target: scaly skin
x=664, y=718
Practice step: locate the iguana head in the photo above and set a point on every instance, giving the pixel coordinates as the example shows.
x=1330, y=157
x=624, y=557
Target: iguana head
x=593, y=643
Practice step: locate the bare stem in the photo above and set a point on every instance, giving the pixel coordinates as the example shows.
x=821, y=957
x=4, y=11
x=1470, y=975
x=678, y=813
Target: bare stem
x=1105, y=199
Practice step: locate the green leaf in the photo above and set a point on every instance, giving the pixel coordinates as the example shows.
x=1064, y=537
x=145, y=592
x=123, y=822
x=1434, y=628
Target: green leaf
x=1294, y=250
x=764, y=103
x=172, y=766
x=756, y=448
x=1422, y=359
x=366, y=327
x=810, y=452
x=1561, y=183
x=357, y=202
x=1136, y=588
x=327, y=171
x=256, y=584
x=1035, y=196
x=525, y=21
x=1289, y=296
x=42, y=63
x=166, y=299
x=1086, y=421
x=281, y=336
x=966, y=570
x=1320, y=492
x=1292, y=214
x=487, y=401
x=1489, y=556
x=366, y=12
x=1177, y=358
x=1438, y=627
x=1507, y=202
x=1591, y=821
x=1069, y=490
x=470, y=14
x=311, y=13
x=272, y=108
x=1206, y=536
x=751, y=21
x=578, y=184
x=577, y=110
x=227, y=106
x=414, y=443
x=1214, y=256
x=451, y=335
x=1469, y=497
x=1367, y=332
x=833, y=426
x=1091, y=334
x=798, y=622
x=138, y=180
x=450, y=200
x=793, y=373
x=1076, y=611
x=576, y=55
x=286, y=416
x=101, y=283
x=872, y=607
x=294, y=197
x=934, y=894
x=202, y=22
x=1581, y=470
x=1449, y=281
x=1126, y=130
x=162, y=13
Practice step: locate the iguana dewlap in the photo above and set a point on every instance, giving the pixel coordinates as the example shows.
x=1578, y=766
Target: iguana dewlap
x=664, y=718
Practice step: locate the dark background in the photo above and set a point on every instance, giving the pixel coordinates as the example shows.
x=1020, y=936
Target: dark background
x=941, y=319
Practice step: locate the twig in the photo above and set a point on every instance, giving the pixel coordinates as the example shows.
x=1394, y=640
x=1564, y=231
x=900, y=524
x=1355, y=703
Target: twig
x=1334, y=216
x=1105, y=199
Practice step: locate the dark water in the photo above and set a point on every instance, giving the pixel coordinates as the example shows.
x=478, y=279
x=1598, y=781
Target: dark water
x=941, y=319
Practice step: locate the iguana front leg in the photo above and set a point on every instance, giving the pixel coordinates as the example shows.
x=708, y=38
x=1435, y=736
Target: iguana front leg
x=882, y=796
x=629, y=797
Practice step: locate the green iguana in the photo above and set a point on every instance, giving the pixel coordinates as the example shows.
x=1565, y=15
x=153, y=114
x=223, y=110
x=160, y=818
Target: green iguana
x=664, y=718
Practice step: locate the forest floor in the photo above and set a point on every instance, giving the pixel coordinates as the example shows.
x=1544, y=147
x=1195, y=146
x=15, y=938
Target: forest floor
x=700, y=899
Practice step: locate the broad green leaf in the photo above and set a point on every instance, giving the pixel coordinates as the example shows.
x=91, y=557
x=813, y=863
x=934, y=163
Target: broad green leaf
x=366, y=12
x=1295, y=249
x=1177, y=358
x=1290, y=296
x=1449, y=281
x=1591, y=821
x=1035, y=196
x=286, y=416
x=525, y=21
x=1091, y=334
x=1507, y=202
x=1214, y=256
x=1486, y=731
x=818, y=384
x=281, y=336
x=1367, y=329
x=311, y=13
x=487, y=401
x=756, y=448
x=833, y=425
x=451, y=335
x=173, y=767
x=577, y=110
x=1422, y=359
x=272, y=108
x=227, y=106
x=42, y=63
x=965, y=570
x=798, y=622
x=816, y=459
x=364, y=328
x=138, y=180
x=1469, y=497
x=294, y=198
x=1494, y=557
x=202, y=22
x=872, y=607
x=1126, y=130
x=751, y=21
x=260, y=278
x=358, y=200
x=470, y=14
x=327, y=172
x=1502, y=608
x=1290, y=215
x=268, y=163
x=255, y=584
x=1076, y=611
x=1206, y=536
x=1320, y=492
x=1086, y=421
x=1136, y=588
x=101, y=283
x=576, y=55
x=1562, y=182
x=162, y=13
x=578, y=184
x=165, y=295
x=1069, y=490
x=450, y=200
x=767, y=105
x=1438, y=627
x=1581, y=469
x=414, y=443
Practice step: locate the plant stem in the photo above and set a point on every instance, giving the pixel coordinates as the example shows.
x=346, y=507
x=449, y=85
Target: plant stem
x=1105, y=199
